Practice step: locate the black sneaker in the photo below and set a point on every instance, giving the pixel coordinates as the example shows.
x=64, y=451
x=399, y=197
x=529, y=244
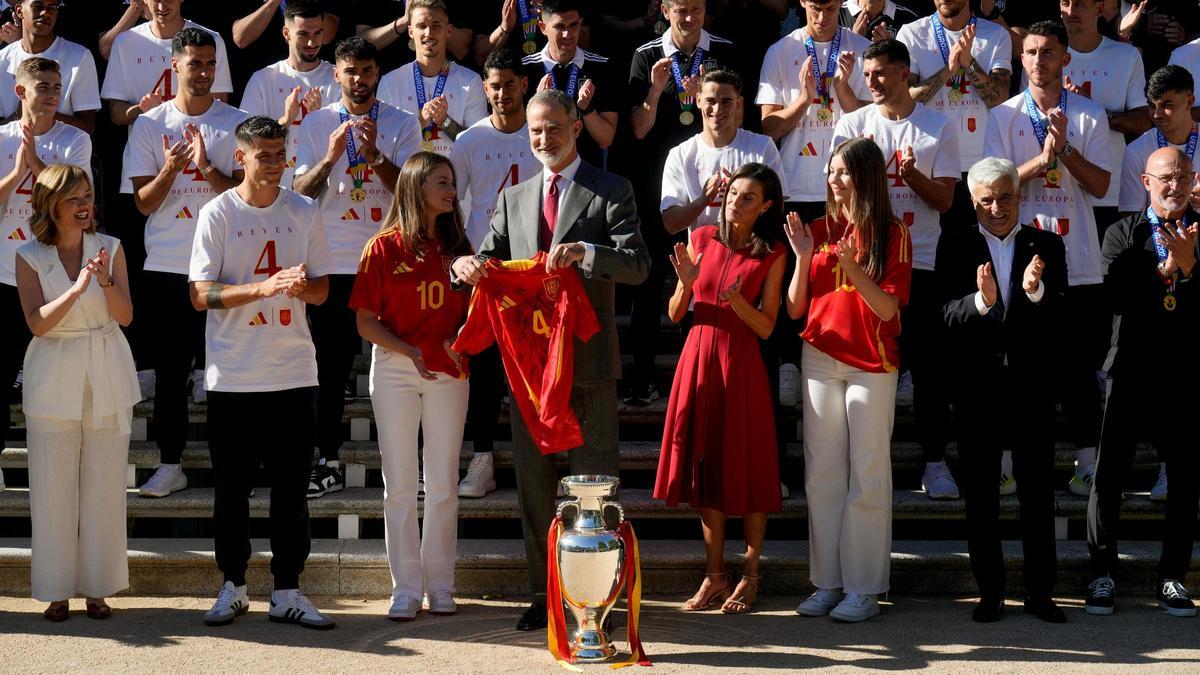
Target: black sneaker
x=641, y=394
x=1173, y=597
x=325, y=478
x=1100, y=597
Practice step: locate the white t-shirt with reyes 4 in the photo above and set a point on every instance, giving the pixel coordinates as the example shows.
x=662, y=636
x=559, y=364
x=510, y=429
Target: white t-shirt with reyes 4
x=349, y=224
x=170, y=228
x=264, y=345
x=691, y=163
x=141, y=63
x=267, y=91
x=62, y=144
x=77, y=68
x=934, y=140
x=486, y=161
x=1054, y=200
x=992, y=49
x=805, y=149
x=465, y=102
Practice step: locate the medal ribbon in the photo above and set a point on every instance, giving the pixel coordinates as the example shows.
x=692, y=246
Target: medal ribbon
x=282, y=6
x=572, y=79
x=685, y=101
x=939, y=32
x=419, y=84
x=357, y=164
x=1191, y=142
x=1160, y=247
x=835, y=49
x=1035, y=117
x=528, y=20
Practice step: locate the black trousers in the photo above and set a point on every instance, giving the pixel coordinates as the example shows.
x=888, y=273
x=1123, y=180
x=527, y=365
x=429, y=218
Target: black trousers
x=995, y=411
x=176, y=344
x=13, y=340
x=483, y=402
x=922, y=341
x=335, y=335
x=1086, y=335
x=1134, y=411
x=273, y=429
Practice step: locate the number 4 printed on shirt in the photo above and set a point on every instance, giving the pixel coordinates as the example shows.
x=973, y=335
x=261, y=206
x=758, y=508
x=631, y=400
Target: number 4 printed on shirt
x=510, y=179
x=893, y=169
x=268, y=255
x=164, y=81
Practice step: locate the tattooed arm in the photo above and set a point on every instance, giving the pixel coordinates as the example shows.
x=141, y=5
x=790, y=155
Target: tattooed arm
x=993, y=88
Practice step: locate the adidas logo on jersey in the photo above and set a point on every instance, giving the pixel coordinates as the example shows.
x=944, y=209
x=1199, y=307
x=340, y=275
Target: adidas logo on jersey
x=258, y=320
x=506, y=303
x=402, y=268
x=17, y=235
x=185, y=212
x=808, y=151
x=350, y=214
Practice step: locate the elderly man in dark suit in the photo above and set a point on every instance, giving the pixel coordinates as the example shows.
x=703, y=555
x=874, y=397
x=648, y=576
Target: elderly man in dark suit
x=1003, y=286
x=586, y=218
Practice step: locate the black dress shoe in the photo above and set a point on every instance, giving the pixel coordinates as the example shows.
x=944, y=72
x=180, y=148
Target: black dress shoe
x=1045, y=610
x=534, y=618
x=988, y=611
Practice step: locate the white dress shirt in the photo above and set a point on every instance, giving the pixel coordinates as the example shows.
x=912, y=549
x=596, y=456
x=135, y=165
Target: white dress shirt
x=565, y=178
x=1002, y=251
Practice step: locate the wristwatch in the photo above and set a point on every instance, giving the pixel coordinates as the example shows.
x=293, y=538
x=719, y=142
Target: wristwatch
x=208, y=168
x=1067, y=150
x=104, y=285
x=377, y=161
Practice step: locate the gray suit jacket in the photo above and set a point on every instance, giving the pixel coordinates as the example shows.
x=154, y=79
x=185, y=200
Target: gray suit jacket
x=598, y=208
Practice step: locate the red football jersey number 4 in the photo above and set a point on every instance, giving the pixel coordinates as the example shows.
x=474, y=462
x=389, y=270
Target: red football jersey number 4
x=268, y=255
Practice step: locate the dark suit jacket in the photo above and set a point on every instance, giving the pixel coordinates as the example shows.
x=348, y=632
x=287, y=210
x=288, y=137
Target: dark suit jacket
x=598, y=208
x=1022, y=334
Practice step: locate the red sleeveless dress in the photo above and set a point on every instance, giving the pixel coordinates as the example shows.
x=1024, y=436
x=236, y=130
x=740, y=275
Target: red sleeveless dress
x=719, y=449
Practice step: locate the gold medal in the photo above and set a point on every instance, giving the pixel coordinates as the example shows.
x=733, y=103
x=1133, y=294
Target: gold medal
x=660, y=27
x=529, y=47
x=1169, y=302
x=426, y=145
x=686, y=118
x=1053, y=176
x=955, y=96
x=358, y=195
x=825, y=114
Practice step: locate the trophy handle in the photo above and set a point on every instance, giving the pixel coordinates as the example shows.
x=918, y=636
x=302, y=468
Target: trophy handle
x=617, y=507
x=567, y=505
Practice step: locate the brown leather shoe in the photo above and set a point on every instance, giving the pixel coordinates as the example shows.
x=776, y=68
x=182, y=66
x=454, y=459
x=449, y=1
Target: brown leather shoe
x=57, y=613
x=95, y=611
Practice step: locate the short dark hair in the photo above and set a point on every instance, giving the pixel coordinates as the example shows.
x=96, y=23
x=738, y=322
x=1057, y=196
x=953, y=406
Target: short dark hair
x=723, y=76
x=191, y=37
x=561, y=7
x=891, y=49
x=1169, y=78
x=259, y=126
x=355, y=48
x=1052, y=29
x=303, y=9
x=432, y=5
x=503, y=59
x=33, y=65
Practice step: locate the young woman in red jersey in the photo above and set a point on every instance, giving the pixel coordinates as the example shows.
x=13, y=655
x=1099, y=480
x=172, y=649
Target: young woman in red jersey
x=718, y=449
x=407, y=310
x=853, y=271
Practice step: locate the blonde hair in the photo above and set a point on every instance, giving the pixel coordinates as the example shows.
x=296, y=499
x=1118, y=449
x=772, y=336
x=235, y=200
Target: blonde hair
x=56, y=183
x=406, y=215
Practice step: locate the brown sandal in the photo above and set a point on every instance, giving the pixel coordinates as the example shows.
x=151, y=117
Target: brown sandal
x=741, y=604
x=57, y=611
x=98, y=610
x=699, y=603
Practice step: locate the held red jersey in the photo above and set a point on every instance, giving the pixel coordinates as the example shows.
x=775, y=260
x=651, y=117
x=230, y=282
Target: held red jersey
x=535, y=318
x=411, y=295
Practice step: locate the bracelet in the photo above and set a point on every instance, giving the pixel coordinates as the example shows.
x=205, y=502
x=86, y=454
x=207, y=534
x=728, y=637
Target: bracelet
x=394, y=29
x=208, y=169
x=104, y=285
x=377, y=161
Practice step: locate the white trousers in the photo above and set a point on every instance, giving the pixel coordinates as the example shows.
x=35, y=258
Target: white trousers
x=404, y=404
x=77, y=505
x=848, y=415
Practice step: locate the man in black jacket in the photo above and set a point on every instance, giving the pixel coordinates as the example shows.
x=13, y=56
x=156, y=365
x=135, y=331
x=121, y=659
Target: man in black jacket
x=1149, y=259
x=1003, y=286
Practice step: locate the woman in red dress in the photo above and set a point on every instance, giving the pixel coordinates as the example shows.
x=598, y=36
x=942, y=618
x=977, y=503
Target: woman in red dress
x=719, y=449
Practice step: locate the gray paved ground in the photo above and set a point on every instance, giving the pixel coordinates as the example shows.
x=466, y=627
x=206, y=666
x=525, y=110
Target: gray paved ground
x=165, y=635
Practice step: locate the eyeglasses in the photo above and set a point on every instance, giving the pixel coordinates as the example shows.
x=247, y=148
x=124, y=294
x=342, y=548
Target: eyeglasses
x=1175, y=178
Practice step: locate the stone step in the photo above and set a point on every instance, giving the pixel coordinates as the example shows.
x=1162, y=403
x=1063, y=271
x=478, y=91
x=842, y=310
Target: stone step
x=497, y=567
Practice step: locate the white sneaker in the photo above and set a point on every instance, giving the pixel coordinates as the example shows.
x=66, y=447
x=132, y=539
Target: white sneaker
x=167, y=478
x=904, y=389
x=404, y=609
x=1081, y=482
x=937, y=481
x=480, y=478
x=784, y=492
x=440, y=603
x=199, y=393
x=855, y=608
x=146, y=383
x=1008, y=484
x=789, y=385
x=295, y=607
x=1158, y=493
x=1, y=477
x=231, y=603
x=821, y=602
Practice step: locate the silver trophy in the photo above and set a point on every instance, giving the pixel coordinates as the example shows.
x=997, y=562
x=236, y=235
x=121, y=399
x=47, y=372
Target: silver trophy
x=591, y=562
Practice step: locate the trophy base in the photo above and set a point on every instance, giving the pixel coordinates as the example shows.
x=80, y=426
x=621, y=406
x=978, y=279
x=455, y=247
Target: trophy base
x=592, y=647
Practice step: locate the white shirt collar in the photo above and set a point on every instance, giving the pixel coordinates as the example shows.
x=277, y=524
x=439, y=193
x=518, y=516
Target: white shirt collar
x=567, y=173
x=889, y=8
x=1008, y=238
x=669, y=48
x=548, y=61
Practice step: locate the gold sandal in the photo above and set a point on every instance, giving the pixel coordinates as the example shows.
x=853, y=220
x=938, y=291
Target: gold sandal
x=699, y=603
x=745, y=600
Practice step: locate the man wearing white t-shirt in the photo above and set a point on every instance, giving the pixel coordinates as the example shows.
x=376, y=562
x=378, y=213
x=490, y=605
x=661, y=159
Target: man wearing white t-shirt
x=920, y=147
x=1188, y=56
x=961, y=67
x=1059, y=141
x=378, y=137
x=1111, y=74
x=258, y=259
x=446, y=96
x=1171, y=93
x=80, y=87
x=139, y=75
x=27, y=145
x=492, y=155
x=809, y=80
x=179, y=156
x=300, y=84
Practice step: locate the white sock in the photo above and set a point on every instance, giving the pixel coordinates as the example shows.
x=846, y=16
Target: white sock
x=176, y=467
x=483, y=454
x=1006, y=463
x=279, y=595
x=1085, y=457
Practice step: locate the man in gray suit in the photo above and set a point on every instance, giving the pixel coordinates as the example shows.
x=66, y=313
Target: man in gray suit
x=583, y=217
